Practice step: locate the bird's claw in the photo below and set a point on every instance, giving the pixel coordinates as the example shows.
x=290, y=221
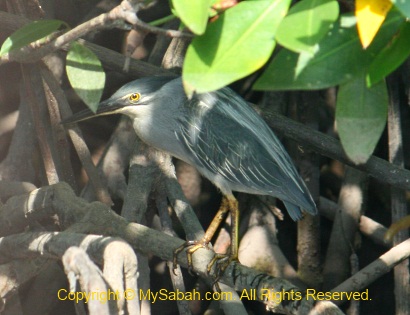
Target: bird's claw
x=222, y=260
x=194, y=246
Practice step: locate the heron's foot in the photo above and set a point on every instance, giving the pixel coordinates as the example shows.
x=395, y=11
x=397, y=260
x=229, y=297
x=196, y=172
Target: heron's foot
x=222, y=262
x=403, y=223
x=193, y=247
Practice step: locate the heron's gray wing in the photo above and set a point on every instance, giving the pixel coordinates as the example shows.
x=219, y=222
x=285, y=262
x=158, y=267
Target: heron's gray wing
x=225, y=137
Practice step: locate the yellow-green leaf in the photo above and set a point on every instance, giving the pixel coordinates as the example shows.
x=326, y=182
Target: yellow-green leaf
x=193, y=13
x=29, y=33
x=370, y=15
x=238, y=43
x=340, y=57
x=306, y=24
x=85, y=74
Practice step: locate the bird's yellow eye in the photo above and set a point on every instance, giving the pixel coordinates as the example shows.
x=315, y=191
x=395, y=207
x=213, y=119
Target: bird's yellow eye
x=134, y=97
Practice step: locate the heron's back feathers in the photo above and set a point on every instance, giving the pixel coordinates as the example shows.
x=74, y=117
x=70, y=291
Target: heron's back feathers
x=231, y=145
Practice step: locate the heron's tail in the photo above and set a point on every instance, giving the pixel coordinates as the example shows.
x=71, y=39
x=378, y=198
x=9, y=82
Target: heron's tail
x=295, y=211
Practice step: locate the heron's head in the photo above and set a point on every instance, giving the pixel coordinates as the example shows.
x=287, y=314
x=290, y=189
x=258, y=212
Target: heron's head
x=128, y=100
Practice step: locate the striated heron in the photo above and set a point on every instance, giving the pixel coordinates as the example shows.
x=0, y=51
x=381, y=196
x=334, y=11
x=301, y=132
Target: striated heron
x=220, y=135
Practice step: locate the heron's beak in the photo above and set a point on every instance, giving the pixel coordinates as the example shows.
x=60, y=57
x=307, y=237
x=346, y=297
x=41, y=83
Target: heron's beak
x=106, y=107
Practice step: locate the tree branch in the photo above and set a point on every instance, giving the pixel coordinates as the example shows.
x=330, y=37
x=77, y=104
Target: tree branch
x=378, y=168
x=117, y=17
x=375, y=270
x=81, y=217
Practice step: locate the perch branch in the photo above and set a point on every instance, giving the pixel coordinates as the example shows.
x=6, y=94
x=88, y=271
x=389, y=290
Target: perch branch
x=82, y=217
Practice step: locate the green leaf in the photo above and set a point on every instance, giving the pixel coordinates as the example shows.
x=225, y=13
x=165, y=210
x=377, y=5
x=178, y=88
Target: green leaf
x=238, y=43
x=403, y=6
x=391, y=57
x=307, y=22
x=361, y=114
x=194, y=14
x=29, y=33
x=339, y=58
x=85, y=74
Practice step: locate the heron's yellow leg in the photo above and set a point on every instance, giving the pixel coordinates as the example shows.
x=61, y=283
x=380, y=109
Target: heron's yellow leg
x=226, y=259
x=229, y=203
x=402, y=224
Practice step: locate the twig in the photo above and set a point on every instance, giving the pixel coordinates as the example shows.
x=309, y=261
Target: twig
x=29, y=55
x=115, y=160
x=181, y=206
x=161, y=45
x=160, y=31
x=166, y=224
x=175, y=54
x=375, y=270
x=123, y=13
x=142, y=173
x=20, y=163
x=379, y=169
x=370, y=228
x=35, y=96
x=111, y=59
x=76, y=136
x=305, y=110
x=59, y=139
x=341, y=244
x=115, y=61
x=120, y=271
x=398, y=196
x=77, y=265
